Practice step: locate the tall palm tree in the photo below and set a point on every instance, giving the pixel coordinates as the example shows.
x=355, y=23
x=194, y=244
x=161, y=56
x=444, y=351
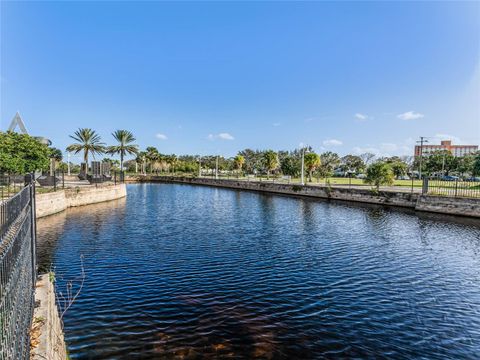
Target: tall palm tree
x=141, y=159
x=171, y=161
x=270, y=159
x=238, y=162
x=88, y=141
x=125, y=139
x=312, y=162
x=152, y=156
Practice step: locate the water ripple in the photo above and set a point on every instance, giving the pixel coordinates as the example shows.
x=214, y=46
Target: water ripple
x=184, y=272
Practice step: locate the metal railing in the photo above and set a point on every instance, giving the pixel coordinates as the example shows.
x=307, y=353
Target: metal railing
x=17, y=273
x=451, y=186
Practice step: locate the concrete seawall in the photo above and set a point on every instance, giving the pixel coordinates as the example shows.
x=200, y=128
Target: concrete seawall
x=54, y=202
x=437, y=204
x=47, y=340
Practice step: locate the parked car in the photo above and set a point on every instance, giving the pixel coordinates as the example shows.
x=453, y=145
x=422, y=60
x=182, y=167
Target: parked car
x=404, y=177
x=361, y=176
x=449, y=178
x=473, y=178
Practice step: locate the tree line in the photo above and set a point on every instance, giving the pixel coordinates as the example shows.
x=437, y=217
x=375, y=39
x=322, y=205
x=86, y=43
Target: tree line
x=21, y=153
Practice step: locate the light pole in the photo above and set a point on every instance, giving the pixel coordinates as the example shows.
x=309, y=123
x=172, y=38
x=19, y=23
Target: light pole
x=302, y=181
x=68, y=163
x=216, y=168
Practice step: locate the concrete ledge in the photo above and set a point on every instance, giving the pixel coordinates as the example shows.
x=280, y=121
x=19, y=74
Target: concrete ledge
x=449, y=205
x=54, y=202
x=47, y=340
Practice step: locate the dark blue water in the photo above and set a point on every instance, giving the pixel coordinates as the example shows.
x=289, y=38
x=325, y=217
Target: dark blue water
x=185, y=272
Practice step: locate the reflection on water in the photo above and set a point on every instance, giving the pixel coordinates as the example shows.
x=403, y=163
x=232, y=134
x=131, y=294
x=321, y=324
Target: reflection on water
x=177, y=271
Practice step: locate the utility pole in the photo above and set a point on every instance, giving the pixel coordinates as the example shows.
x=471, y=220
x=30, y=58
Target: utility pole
x=302, y=170
x=422, y=141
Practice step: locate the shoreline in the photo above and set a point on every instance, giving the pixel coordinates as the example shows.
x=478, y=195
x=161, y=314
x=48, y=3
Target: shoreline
x=458, y=206
x=54, y=202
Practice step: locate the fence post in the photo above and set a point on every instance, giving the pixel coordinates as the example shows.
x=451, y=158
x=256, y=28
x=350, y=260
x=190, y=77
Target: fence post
x=425, y=186
x=456, y=187
x=30, y=182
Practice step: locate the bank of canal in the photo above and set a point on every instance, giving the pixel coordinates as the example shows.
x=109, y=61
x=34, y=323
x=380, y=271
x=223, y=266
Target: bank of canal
x=184, y=271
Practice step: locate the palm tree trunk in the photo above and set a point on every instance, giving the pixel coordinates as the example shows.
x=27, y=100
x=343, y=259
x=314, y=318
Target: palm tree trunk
x=121, y=161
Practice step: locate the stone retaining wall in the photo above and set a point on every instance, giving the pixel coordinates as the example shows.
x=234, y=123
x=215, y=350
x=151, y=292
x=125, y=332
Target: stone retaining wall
x=54, y=202
x=438, y=204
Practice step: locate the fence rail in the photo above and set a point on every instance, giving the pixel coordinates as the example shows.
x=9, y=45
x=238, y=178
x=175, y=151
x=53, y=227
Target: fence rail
x=17, y=273
x=452, y=187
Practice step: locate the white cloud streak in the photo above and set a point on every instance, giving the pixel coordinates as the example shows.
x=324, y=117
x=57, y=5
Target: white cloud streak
x=332, y=142
x=361, y=117
x=221, y=136
x=161, y=136
x=410, y=115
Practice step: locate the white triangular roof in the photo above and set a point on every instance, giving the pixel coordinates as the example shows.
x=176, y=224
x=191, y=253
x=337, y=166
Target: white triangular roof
x=17, y=121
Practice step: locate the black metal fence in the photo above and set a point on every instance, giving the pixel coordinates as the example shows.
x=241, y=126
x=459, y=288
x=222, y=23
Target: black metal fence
x=17, y=273
x=452, y=186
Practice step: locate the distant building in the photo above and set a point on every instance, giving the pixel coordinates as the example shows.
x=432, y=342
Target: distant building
x=455, y=150
x=17, y=121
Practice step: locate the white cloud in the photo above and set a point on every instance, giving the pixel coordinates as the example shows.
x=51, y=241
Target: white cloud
x=161, y=136
x=221, y=136
x=410, y=115
x=361, y=117
x=332, y=142
x=439, y=137
x=387, y=149
x=276, y=124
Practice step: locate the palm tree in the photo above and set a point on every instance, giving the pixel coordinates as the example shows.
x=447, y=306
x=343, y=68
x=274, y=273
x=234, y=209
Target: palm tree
x=238, y=162
x=125, y=139
x=172, y=161
x=312, y=161
x=152, y=156
x=141, y=159
x=270, y=159
x=88, y=141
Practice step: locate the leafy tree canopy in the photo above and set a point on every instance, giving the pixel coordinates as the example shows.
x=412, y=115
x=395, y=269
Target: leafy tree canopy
x=21, y=153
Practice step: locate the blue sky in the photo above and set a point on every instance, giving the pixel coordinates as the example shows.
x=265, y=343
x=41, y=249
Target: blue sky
x=217, y=77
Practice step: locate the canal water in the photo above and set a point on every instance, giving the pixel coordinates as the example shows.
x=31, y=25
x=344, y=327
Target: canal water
x=191, y=272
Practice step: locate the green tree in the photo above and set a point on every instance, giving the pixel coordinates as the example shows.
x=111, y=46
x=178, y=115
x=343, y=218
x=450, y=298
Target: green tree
x=329, y=162
x=21, y=153
x=56, y=154
x=352, y=164
x=125, y=139
x=399, y=167
x=476, y=165
x=141, y=160
x=171, y=160
x=238, y=162
x=290, y=164
x=440, y=161
x=380, y=173
x=152, y=155
x=88, y=141
x=270, y=159
x=312, y=162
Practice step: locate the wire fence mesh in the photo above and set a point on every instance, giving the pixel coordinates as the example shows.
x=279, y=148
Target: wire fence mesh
x=17, y=273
